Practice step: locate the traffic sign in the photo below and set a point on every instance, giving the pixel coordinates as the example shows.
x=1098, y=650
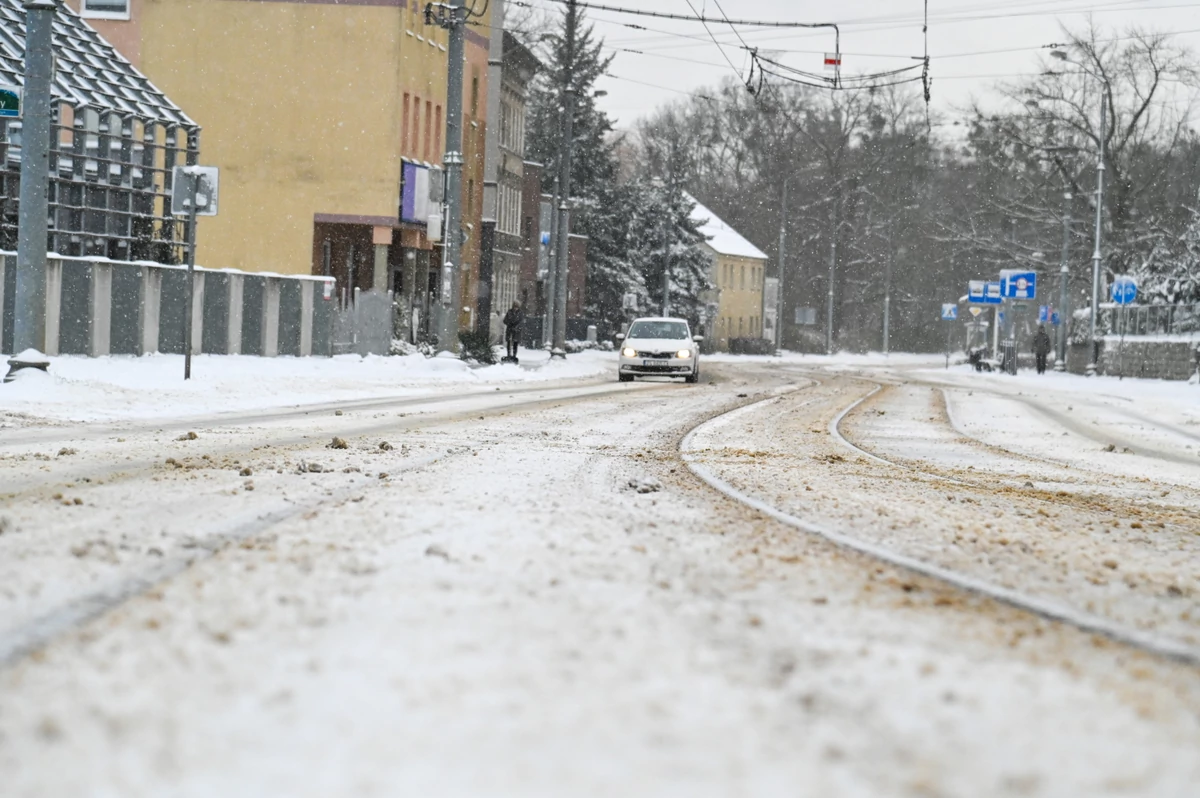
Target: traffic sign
x=949, y=312
x=206, y=190
x=992, y=293
x=975, y=291
x=1055, y=319
x=976, y=311
x=1124, y=290
x=1043, y=314
x=1017, y=284
x=10, y=102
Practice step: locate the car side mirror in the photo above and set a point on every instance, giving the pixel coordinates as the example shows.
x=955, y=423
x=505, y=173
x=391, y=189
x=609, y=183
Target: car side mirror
x=620, y=336
x=697, y=338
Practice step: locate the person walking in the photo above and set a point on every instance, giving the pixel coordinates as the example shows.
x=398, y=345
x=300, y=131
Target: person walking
x=514, y=319
x=1041, y=348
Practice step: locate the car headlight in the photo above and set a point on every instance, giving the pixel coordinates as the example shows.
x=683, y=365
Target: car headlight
x=683, y=354
x=629, y=352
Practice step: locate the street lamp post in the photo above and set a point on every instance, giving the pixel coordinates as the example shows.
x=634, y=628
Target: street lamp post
x=1093, y=343
x=1063, y=288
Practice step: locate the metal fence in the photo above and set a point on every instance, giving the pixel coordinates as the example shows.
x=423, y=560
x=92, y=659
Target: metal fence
x=1148, y=320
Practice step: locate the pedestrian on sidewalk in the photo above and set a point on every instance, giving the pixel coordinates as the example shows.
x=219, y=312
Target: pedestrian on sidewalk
x=1041, y=348
x=514, y=319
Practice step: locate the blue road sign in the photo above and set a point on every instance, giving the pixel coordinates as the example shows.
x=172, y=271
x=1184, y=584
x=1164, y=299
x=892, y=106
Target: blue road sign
x=1124, y=290
x=975, y=291
x=1000, y=321
x=949, y=312
x=10, y=102
x=1055, y=319
x=1018, y=284
x=992, y=293
x=1043, y=314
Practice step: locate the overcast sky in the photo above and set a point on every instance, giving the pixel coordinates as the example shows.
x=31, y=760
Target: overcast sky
x=876, y=36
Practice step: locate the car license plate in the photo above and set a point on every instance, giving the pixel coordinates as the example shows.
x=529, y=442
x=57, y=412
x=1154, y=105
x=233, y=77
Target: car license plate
x=656, y=362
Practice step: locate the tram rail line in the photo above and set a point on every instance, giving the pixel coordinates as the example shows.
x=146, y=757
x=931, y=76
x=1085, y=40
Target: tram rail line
x=1049, y=609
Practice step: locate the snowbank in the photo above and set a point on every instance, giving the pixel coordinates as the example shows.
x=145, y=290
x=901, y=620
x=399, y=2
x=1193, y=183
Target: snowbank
x=118, y=387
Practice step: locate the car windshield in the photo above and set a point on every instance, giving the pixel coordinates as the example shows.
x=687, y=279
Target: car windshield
x=674, y=330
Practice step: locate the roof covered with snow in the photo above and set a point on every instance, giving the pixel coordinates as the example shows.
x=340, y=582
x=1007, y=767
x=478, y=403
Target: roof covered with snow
x=88, y=71
x=723, y=239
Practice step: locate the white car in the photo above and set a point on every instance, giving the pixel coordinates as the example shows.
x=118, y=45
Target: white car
x=659, y=347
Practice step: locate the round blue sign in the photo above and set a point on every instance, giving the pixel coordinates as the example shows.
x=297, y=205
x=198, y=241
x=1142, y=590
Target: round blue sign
x=1124, y=290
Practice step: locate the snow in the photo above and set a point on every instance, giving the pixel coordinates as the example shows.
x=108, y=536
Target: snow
x=120, y=387
x=723, y=239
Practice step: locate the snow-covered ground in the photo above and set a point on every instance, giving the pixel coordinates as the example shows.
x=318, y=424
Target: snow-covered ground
x=498, y=588
x=89, y=389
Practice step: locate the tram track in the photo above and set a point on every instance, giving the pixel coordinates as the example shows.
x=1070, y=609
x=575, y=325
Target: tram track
x=1051, y=609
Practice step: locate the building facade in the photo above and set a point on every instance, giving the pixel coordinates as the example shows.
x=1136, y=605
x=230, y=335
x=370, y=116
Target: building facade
x=738, y=272
x=327, y=120
x=520, y=66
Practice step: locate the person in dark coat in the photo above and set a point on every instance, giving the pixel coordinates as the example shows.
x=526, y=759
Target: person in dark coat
x=1041, y=348
x=514, y=319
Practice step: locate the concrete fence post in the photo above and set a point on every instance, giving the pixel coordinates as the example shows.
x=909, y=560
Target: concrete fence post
x=234, y=331
x=197, y=313
x=270, y=325
x=53, y=304
x=307, y=289
x=151, y=306
x=3, y=277
x=100, y=334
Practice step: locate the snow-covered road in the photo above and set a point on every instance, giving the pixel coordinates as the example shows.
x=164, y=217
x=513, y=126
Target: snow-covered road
x=521, y=590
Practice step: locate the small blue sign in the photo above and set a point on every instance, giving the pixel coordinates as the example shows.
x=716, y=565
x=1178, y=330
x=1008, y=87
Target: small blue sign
x=975, y=291
x=1043, y=314
x=545, y=239
x=992, y=294
x=1018, y=284
x=949, y=312
x=1000, y=321
x=1124, y=290
x=1055, y=319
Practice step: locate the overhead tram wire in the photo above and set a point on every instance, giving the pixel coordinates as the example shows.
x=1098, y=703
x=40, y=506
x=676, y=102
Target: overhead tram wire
x=724, y=55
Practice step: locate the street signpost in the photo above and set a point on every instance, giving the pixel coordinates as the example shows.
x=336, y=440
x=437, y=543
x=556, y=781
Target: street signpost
x=194, y=193
x=975, y=291
x=1017, y=284
x=1124, y=290
x=949, y=313
x=993, y=293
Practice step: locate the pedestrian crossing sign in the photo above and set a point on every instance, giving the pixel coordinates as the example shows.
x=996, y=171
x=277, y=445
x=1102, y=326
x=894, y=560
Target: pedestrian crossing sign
x=949, y=312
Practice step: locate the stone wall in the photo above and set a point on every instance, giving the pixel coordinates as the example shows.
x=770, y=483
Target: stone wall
x=1139, y=357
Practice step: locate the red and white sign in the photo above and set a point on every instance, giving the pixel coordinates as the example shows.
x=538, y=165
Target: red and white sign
x=833, y=60
x=328, y=290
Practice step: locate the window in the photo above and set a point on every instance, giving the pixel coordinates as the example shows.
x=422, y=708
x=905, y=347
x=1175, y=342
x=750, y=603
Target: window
x=105, y=9
x=404, y=127
x=662, y=330
x=743, y=287
x=437, y=133
x=428, y=120
x=474, y=92
x=414, y=141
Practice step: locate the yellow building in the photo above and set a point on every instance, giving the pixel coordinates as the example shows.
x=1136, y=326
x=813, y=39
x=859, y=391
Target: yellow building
x=311, y=108
x=738, y=272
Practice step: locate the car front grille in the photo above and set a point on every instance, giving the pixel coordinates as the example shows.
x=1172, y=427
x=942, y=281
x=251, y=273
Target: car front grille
x=657, y=355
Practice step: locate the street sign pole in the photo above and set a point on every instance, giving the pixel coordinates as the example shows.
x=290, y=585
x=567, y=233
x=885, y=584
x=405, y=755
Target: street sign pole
x=189, y=311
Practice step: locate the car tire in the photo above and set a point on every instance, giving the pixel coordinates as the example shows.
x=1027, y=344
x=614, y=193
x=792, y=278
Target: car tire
x=693, y=378
x=624, y=378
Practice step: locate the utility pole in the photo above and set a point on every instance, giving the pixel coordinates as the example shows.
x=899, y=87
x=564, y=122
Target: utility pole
x=887, y=294
x=779, y=307
x=491, y=177
x=1094, y=345
x=29, y=321
x=453, y=17
x=552, y=266
x=566, y=149
x=832, y=270
x=1064, y=274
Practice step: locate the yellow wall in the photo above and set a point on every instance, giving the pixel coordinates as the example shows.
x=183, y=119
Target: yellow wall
x=301, y=107
x=740, y=297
